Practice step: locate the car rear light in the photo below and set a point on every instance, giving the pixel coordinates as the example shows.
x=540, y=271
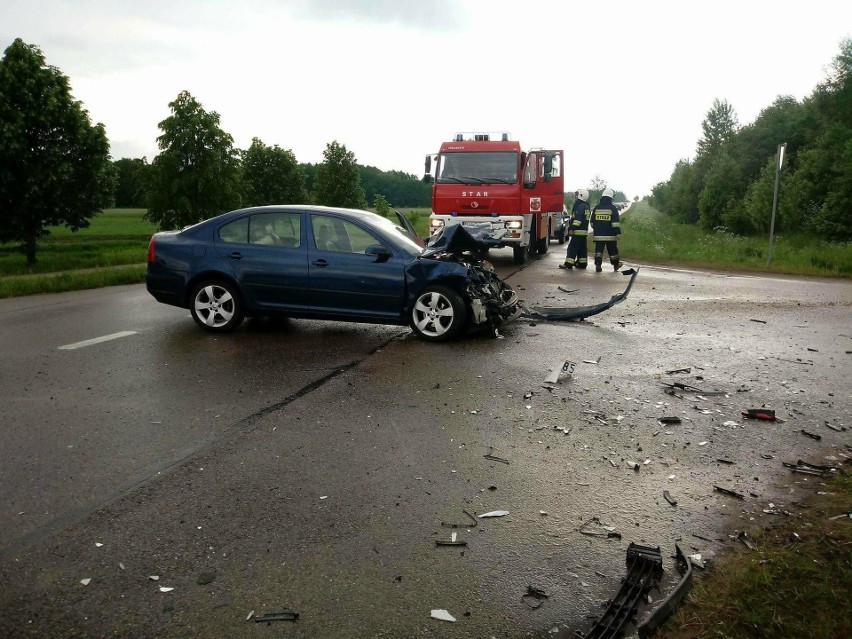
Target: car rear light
x=151, y=251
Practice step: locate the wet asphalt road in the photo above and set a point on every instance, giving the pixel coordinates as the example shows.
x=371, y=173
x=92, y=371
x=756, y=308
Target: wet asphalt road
x=309, y=465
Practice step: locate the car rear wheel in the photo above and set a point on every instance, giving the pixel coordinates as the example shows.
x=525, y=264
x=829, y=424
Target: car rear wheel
x=216, y=306
x=560, y=235
x=439, y=314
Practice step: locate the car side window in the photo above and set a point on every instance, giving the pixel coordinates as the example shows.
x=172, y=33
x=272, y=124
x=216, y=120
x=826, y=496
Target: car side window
x=276, y=229
x=334, y=234
x=236, y=231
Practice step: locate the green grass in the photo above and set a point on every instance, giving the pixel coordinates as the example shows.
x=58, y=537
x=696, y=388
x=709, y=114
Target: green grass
x=115, y=237
x=71, y=280
x=796, y=588
x=653, y=236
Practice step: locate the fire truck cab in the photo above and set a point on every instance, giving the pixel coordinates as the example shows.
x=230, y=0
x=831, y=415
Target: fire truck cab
x=486, y=178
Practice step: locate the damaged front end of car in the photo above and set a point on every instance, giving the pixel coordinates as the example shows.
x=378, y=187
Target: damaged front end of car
x=456, y=257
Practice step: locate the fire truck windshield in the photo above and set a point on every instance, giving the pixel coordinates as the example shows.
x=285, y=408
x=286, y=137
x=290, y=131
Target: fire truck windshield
x=478, y=167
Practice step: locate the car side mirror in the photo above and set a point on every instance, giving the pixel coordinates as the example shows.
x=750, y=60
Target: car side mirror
x=381, y=253
x=428, y=179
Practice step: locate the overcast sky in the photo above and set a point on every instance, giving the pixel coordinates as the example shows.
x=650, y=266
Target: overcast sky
x=621, y=86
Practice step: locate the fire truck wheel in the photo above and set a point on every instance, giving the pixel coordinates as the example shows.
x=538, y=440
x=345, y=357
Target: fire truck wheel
x=439, y=314
x=560, y=236
x=520, y=254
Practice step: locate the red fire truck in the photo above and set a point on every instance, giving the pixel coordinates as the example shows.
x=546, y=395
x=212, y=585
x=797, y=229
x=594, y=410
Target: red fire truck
x=486, y=178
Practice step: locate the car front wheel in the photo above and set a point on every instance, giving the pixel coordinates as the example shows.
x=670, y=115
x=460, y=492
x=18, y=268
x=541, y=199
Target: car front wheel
x=439, y=314
x=216, y=306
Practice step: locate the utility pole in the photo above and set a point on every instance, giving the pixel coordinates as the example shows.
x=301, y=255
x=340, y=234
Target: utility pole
x=779, y=160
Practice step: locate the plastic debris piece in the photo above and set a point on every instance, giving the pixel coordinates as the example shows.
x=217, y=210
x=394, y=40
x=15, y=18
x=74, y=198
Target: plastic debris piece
x=728, y=492
x=495, y=513
x=250, y=615
x=442, y=615
x=166, y=588
x=731, y=423
x=669, y=498
x=669, y=420
x=491, y=457
x=634, y=465
x=725, y=461
x=593, y=361
x=154, y=577
x=843, y=516
x=323, y=497
x=759, y=321
x=743, y=537
x=281, y=615
x=86, y=581
x=764, y=414
x=534, y=597
x=98, y=544
x=658, y=616
x=472, y=524
x=607, y=532
x=811, y=435
x=696, y=560
x=121, y=565
x=678, y=370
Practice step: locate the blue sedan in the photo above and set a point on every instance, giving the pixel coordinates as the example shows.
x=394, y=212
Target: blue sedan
x=327, y=263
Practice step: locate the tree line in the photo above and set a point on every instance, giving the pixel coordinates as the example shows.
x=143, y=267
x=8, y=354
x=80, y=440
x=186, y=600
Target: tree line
x=729, y=183
x=55, y=167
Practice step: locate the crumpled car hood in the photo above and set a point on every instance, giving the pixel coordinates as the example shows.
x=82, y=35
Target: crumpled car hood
x=458, y=239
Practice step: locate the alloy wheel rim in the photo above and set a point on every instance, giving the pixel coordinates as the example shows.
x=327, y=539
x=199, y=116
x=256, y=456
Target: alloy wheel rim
x=433, y=314
x=214, y=305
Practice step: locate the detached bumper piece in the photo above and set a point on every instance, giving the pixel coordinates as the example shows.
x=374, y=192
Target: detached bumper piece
x=662, y=612
x=644, y=567
x=577, y=313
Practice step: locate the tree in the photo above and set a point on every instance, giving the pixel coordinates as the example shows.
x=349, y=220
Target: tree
x=338, y=182
x=54, y=164
x=719, y=127
x=131, y=182
x=196, y=174
x=721, y=185
x=381, y=205
x=271, y=175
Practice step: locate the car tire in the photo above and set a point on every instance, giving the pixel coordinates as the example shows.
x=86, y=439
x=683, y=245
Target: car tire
x=560, y=235
x=216, y=306
x=439, y=314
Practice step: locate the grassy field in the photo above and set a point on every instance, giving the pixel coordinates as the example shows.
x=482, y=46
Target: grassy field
x=796, y=584
x=650, y=235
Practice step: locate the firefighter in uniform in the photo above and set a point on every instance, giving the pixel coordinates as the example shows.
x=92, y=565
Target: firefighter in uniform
x=606, y=229
x=578, y=230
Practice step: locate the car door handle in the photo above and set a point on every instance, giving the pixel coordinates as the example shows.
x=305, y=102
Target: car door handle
x=236, y=255
x=320, y=263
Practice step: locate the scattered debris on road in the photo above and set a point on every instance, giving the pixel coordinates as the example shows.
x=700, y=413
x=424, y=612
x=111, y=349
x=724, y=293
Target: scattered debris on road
x=678, y=370
x=495, y=513
x=454, y=541
x=759, y=321
x=764, y=414
x=730, y=493
x=606, y=532
x=669, y=498
x=281, y=615
x=669, y=420
x=473, y=522
x=491, y=457
x=811, y=435
x=86, y=581
x=442, y=615
x=743, y=537
x=534, y=597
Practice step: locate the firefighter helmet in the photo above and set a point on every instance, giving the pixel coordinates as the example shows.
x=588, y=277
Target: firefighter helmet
x=583, y=194
x=607, y=192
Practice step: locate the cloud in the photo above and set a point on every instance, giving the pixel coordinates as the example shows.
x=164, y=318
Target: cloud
x=434, y=15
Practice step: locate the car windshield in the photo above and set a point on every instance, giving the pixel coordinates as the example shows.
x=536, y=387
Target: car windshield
x=397, y=234
x=479, y=167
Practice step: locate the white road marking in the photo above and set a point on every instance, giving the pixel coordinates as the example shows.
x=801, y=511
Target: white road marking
x=96, y=340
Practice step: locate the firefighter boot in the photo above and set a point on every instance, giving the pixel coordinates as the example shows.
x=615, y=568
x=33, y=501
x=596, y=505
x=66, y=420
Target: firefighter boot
x=616, y=263
x=598, y=263
x=567, y=264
